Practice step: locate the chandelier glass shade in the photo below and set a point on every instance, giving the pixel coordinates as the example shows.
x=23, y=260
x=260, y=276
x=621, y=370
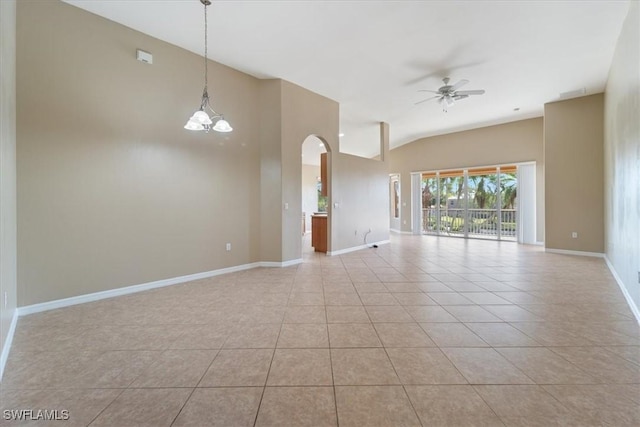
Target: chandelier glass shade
x=204, y=118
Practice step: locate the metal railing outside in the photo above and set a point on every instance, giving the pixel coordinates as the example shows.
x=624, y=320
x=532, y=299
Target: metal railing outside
x=483, y=223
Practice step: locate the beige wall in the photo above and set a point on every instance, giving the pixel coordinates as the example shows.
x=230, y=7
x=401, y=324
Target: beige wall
x=112, y=191
x=270, y=209
x=360, y=187
x=294, y=114
x=7, y=169
x=304, y=113
x=573, y=144
x=622, y=157
x=520, y=141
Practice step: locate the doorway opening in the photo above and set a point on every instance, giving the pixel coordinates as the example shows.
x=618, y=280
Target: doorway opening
x=394, y=202
x=315, y=195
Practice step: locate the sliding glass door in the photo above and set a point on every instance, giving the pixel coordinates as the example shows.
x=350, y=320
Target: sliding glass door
x=452, y=202
x=509, y=203
x=430, y=197
x=478, y=203
x=483, y=203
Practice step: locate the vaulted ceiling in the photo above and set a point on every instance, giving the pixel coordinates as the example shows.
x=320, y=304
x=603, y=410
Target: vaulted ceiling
x=374, y=56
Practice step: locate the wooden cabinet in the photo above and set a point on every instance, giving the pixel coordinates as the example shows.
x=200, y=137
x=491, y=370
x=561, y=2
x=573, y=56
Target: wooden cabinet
x=319, y=233
x=323, y=175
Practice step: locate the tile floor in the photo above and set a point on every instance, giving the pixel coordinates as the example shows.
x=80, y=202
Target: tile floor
x=423, y=331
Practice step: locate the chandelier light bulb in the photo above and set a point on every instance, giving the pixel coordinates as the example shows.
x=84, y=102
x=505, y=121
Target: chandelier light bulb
x=201, y=117
x=191, y=125
x=222, y=126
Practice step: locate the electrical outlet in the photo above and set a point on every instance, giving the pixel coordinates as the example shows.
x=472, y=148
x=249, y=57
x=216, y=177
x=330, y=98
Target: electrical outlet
x=228, y=247
x=574, y=235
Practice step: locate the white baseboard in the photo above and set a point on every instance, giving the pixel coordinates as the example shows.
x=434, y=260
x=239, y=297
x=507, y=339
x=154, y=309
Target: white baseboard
x=630, y=301
x=80, y=299
x=96, y=296
x=357, y=248
x=280, y=264
x=577, y=253
x=539, y=243
x=393, y=230
x=7, y=342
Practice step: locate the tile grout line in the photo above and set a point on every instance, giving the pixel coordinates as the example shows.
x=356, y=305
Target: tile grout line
x=273, y=355
x=396, y=374
x=183, y=405
x=333, y=379
x=473, y=387
x=106, y=407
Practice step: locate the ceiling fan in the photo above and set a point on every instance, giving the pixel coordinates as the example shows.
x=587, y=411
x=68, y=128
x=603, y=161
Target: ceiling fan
x=448, y=94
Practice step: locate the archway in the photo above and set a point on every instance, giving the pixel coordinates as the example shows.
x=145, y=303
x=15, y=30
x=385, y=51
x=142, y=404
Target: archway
x=315, y=195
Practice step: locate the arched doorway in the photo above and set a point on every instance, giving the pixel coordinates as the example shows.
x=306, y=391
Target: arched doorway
x=315, y=196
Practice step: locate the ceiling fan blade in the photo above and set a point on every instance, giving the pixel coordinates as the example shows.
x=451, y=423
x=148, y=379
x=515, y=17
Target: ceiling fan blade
x=470, y=92
x=425, y=100
x=426, y=90
x=459, y=84
x=458, y=97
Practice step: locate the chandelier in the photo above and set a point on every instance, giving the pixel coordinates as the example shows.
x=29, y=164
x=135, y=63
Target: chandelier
x=201, y=120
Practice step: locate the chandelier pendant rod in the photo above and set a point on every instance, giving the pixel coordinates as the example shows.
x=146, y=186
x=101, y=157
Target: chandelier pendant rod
x=206, y=44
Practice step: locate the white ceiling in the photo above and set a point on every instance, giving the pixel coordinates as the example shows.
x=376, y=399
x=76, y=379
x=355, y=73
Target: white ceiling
x=373, y=56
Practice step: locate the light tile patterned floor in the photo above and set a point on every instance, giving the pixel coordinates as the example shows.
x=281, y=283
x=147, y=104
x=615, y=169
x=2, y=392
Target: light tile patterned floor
x=424, y=331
